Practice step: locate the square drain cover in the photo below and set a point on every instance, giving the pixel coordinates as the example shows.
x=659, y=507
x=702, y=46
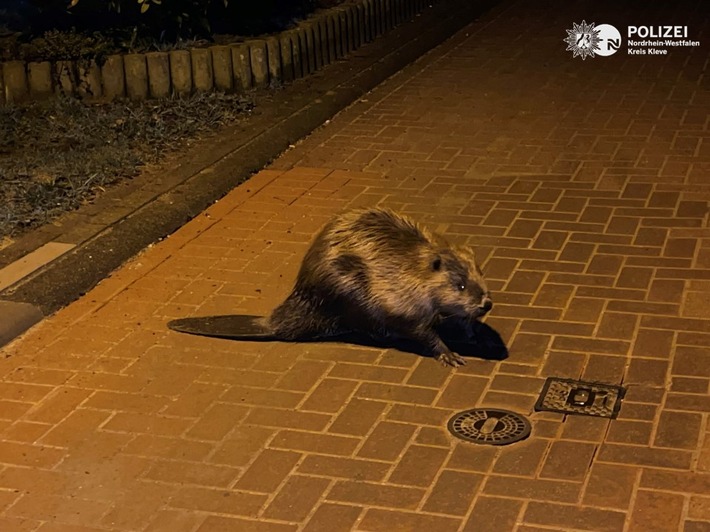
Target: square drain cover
x=577, y=397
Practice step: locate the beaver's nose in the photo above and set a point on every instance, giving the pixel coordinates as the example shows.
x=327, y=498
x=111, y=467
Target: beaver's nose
x=486, y=304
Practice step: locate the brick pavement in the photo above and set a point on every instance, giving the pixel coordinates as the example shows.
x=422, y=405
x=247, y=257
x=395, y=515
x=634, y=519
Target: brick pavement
x=584, y=187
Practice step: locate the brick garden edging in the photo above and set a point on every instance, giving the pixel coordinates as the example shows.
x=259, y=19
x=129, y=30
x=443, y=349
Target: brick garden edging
x=315, y=42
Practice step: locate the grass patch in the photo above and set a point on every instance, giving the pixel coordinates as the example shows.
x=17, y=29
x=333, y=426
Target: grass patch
x=58, y=155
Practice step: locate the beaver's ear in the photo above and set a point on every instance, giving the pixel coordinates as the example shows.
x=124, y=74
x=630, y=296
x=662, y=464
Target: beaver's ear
x=436, y=263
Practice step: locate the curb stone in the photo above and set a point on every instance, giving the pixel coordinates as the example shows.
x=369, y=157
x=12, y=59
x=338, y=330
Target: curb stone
x=17, y=318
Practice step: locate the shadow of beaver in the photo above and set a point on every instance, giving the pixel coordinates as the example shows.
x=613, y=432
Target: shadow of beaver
x=480, y=341
x=484, y=343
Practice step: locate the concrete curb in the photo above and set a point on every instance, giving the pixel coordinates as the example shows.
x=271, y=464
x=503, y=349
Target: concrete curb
x=244, y=149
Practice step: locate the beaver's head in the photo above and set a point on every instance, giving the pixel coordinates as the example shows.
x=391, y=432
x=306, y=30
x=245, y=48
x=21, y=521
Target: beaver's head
x=461, y=289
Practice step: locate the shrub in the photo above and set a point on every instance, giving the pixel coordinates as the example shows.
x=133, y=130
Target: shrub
x=166, y=20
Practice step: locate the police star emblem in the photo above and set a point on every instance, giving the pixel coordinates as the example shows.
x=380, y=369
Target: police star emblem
x=582, y=40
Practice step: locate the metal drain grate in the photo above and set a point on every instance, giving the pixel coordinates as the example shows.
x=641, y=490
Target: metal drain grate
x=577, y=397
x=489, y=426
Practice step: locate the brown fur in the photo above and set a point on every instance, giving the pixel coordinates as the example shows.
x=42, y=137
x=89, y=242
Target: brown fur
x=376, y=272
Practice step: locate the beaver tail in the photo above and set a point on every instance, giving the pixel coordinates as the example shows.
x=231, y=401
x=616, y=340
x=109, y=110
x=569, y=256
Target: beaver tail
x=302, y=316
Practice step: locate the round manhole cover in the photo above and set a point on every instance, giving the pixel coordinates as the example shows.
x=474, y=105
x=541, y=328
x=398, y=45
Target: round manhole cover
x=489, y=426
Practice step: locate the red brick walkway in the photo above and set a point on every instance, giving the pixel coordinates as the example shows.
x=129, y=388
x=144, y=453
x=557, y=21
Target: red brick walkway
x=584, y=185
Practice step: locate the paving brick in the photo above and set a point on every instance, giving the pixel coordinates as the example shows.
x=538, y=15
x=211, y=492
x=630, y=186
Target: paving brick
x=75, y=427
x=387, y=441
x=524, y=228
x=511, y=401
x=68, y=510
x=23, y=392
x=653, y=343
x=676, y=481
x=648, y=236
x=358, y=417
x=418, y=466
x=19, y=524
x=648, y=372
x=696, y=526
x=385, y=520
x=551, y=295
x=138, y=403
x=699, y=508
x=678, y=430
x=522, y=459
x=191, y=473
x=275, y=417
x=576, y=252
x=433, y=436
x=637, y=411
x=329, y=396
x=296, y=498
x=241, y=446
x=590, y=345
x=24, y=432
x=368, y=373
x=562, y=364
x=568, y=460
x=145, y=423
x=603, y=368
x=655, y=511
x=679, y=247
x=605, y=265
x=421, y=415
x=371, y=494
x=462, y=391
x=529, y=348
x=515, y=383
x=532, y=489
x=644, y=456
x=19, y=479
x=493, y=513
x=137, y=507
x=267, y=472
x=396, y=393
x=471, y=458
x=225, y=524
x=244, y=395
x=617, y=325
x=584, y=309
x=573, y=517
x=627, y=431
x=431, y=377
x=525, y=282
x=453, y=493
x=690, y=385
x=666, y=290
x=169, y=448
x=179, y=521
x=7, y=499
x=691, y=361
x=610, y=486
x=303, y=375
x=13, y=410
x=333, y=517
x=314, y=442
x=337, y=467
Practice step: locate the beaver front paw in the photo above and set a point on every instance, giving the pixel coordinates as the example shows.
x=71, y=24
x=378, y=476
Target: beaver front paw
x=451, y=359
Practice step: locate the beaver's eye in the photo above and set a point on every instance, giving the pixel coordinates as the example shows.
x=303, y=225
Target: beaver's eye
x=462, y=287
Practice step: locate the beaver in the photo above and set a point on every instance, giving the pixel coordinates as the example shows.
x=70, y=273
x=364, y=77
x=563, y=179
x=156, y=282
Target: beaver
x=375, y=272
